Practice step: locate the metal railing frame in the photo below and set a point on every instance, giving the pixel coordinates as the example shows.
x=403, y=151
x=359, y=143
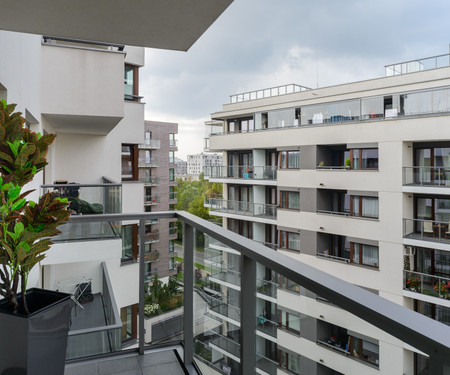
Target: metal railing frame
x=419, y=331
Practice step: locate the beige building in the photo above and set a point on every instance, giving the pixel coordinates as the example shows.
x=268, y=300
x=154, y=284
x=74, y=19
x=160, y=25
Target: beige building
x=354, y=180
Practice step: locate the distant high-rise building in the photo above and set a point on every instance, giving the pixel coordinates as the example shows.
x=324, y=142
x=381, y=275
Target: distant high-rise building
x=196, y=163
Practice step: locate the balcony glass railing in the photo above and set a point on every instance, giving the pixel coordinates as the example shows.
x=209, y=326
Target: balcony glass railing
x=266, y=325
x=267, y=287
x=154, y=144
x=150, y=180
x=148, y=163
x=150, y=200
x=173, y=231
x=89, y=199
x=152, y=237
x=242, y=172
x=206, y=318
x=264, y=211
x=173, y=143
x=430, y=285
x=426, y=176
x=426, y=230
x=96, y=326
x=173, y=194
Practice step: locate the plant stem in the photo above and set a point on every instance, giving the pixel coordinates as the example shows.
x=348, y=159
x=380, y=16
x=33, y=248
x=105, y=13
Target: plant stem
x=24, y=293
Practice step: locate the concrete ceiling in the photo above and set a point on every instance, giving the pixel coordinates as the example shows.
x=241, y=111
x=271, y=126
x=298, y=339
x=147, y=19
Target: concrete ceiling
x=167, y=24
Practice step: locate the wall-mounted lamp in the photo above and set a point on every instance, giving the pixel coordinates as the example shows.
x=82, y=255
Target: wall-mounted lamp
x=321, y=184
x=321, y=228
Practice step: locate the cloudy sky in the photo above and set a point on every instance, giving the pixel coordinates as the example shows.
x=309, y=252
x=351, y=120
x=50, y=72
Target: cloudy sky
x=257, y=44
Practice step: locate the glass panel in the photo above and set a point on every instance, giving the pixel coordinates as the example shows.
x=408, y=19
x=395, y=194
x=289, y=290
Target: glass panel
x=281, y=118
x=216, y=304
x=294, y=159
x=294, y=200
x=355, y=159
x=370, y=158
x=372, y=107
x=370, y=255
x=369, y=207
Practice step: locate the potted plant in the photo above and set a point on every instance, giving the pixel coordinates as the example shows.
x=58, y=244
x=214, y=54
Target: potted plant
x=33, y=323
x=347, y=163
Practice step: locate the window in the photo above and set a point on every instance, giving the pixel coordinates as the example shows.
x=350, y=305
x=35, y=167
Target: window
x=171, y=157
x=289, y=240
x=290, y=321
x=243, y=125
x=364, y=206
x=172, y=192
x=171, y=174
x=128, y=315
x=131, y=79
x=129, y=162
x=172, y=140
x=364, y=254
x=365, y=158
x=290, y=200
x=171, y=264
x=129, y=242
x=290, y=361
x=290, y=159
x=171, y=246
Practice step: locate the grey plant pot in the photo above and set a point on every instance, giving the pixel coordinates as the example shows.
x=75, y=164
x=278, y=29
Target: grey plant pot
x=35, y=344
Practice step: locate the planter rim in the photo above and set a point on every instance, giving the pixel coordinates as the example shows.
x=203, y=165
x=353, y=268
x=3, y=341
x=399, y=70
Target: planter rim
x=62, y=297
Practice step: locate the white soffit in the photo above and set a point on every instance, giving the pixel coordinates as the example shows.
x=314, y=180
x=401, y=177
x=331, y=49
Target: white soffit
x=166, y=24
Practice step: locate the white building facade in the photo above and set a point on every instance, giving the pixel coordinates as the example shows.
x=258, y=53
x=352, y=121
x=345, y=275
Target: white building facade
x=353, y=180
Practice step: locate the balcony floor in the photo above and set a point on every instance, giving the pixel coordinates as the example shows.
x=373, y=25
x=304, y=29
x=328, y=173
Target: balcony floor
x=155, y=362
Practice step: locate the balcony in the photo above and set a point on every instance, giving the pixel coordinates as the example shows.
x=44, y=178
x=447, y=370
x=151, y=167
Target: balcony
x=173, y=233
x=152, y=237
x=265, y=213
x=79, y=109
x=151, y=200
x=88, y=199
x=173, y=143
x=426, y=230
x=424, y=334
x=426, y=180
x=152, y=256
x=150, y=144
x=150, y=180
x=266, y=175
x=148, y=163
x=428, y=285
x=173, y=195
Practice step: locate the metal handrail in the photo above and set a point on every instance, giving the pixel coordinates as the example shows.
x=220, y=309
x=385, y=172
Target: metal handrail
x=419, y=61
x=333, y=257
x=441, y=282
x=419, y=331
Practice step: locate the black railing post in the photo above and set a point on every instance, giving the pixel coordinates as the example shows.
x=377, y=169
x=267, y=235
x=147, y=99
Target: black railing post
x=248, y=315
x=141, y=285
x=188, y=316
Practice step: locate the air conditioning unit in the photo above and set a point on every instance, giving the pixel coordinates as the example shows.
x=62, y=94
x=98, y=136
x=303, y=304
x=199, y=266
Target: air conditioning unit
x=409, y=251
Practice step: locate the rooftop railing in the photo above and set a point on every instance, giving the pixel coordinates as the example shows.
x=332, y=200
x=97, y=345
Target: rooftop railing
x=419, y=331
x=267, y=93
x=411, y=66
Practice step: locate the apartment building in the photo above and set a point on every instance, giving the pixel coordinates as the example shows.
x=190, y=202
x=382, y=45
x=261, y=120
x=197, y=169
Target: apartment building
x=352, y=179
x=157, y=171
x=196, y=163
x=180, y=168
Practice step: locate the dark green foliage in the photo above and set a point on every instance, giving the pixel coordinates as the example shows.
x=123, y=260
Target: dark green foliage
x=167, y=296
x=25, y=226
